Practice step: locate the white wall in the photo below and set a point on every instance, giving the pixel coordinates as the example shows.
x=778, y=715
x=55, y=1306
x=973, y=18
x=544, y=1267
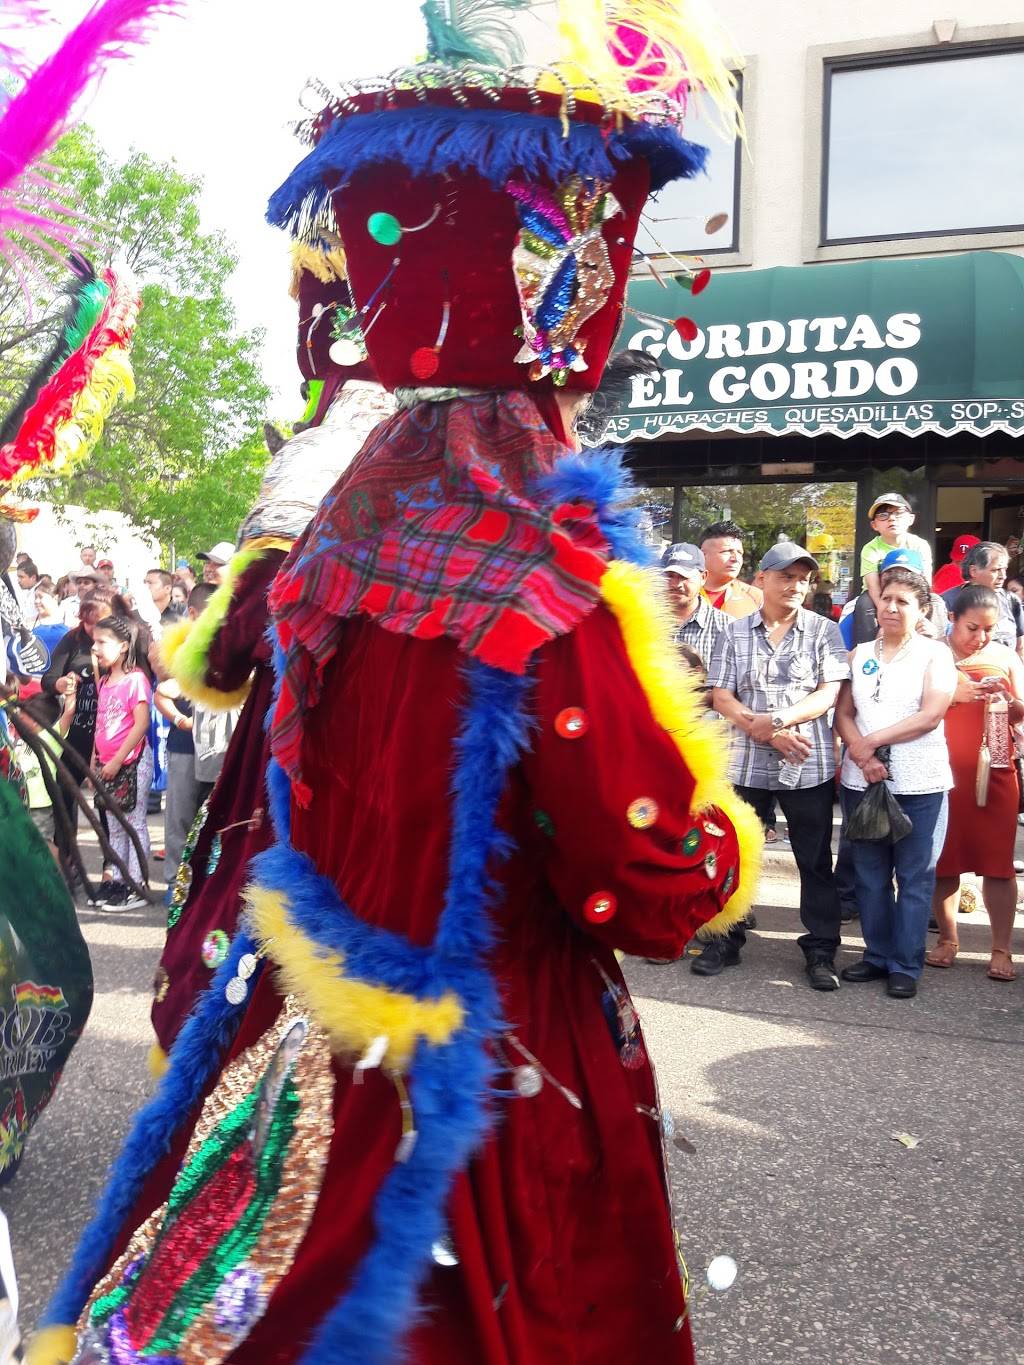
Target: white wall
x=778, y=37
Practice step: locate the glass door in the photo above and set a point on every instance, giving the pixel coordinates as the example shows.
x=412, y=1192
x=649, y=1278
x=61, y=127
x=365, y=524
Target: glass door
x=820, y=516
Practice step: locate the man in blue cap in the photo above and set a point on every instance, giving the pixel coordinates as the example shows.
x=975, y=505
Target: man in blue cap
x=775, y=677
x=698, y=623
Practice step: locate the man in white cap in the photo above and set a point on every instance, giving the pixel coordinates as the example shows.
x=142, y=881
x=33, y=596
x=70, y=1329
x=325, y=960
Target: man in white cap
x=698, y=623
x=215, y=561
x=775, y=676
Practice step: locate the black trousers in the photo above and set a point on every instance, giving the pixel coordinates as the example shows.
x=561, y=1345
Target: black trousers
x=808, y=812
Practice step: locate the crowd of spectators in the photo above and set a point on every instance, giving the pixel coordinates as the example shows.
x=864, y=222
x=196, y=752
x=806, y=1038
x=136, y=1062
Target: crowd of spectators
x=915, y=697
x=98, y=693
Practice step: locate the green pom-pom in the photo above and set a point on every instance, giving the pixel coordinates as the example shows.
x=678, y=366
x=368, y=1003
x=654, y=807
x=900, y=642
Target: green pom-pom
x=384, y=228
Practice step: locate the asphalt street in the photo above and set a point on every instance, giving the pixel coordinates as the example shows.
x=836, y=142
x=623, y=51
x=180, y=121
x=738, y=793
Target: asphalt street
x=853, y=1248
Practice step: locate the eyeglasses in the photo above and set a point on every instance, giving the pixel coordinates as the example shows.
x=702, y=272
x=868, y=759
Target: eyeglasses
x=891, y=513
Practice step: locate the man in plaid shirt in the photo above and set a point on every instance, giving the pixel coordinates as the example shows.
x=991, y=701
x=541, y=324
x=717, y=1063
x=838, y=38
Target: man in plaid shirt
x=698, y=623
x=775, y=677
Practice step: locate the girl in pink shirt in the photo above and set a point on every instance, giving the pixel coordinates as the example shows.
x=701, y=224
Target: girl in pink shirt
x=121, y=748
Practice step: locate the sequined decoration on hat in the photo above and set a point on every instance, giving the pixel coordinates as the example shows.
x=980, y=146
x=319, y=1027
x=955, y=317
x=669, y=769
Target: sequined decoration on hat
x=562, y=268
x=692, y=841
x=716, y=831
x=215, y=948
x=216, y=849
x=642, y=813
x=198, y=1273
x=711, y=865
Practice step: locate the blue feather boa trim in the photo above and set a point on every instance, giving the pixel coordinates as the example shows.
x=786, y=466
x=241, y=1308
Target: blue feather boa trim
x=495, y=143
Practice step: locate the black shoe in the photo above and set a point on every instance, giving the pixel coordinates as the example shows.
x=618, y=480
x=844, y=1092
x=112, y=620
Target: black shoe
x=661, y=961
x=751, y=921
x=901, y=986
x=863, y=971
x=821, y=973
x=715, y=956
x=847, y=913
x=116, y=900
x=102, y=893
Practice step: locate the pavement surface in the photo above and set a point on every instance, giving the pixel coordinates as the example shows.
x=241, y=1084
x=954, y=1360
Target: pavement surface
x=853, y=1248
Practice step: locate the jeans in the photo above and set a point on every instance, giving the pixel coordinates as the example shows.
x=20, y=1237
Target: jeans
x=895, y=922
x=808, y=812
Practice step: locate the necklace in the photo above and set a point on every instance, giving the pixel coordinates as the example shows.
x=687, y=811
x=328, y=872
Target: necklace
x=877, y=664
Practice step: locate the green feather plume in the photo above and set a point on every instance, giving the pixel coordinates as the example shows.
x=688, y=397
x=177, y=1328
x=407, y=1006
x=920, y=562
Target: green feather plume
x=473, y=31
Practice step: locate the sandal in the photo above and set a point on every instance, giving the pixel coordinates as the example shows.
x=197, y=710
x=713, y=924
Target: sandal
x=943, y=954
x=1007, y=972
x=771, y=836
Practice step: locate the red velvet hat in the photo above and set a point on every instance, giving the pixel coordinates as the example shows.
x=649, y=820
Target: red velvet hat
x=489, y=231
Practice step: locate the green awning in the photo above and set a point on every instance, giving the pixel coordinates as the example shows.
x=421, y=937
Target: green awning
x=874, y=346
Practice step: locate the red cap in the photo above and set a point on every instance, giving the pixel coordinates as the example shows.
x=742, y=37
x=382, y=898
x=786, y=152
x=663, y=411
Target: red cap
x=960, y=547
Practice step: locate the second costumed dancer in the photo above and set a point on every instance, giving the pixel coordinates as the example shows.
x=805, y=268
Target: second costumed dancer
x=414, y=1118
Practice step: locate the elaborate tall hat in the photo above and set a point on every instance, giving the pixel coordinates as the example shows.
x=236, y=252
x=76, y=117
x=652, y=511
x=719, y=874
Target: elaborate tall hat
x=488, y=213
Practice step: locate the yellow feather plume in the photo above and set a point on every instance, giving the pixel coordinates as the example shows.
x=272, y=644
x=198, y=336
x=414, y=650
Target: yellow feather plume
x=326, y=266
x=628, y=48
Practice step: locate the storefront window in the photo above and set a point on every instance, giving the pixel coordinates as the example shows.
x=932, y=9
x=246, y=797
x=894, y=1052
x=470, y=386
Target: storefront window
x=655, y=505
x=919, y=147
x=820, y=516
x=678, y=217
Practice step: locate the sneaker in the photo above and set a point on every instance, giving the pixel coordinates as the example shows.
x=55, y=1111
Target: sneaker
x=715, y=957
x=102, y=893
x=821, y=973
x=121, y=898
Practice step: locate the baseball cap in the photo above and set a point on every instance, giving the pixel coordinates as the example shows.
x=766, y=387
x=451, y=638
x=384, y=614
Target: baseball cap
x=785, y=553
x=902, y=559
x=960, y=547
x=220, y=553
x=105, y=564
x=683, y=558
x=889, y=500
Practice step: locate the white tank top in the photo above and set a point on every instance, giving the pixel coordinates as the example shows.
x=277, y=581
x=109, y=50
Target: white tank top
x=917, y=765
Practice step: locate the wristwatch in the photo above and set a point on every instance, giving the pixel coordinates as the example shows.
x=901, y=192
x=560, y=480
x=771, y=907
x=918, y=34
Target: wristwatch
x=777, y=723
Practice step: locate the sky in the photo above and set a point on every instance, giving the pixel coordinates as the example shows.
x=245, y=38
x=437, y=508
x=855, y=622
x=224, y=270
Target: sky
x=216, y=91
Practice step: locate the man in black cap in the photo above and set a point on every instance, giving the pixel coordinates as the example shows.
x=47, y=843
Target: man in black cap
x=698, y=623
x=775, y=677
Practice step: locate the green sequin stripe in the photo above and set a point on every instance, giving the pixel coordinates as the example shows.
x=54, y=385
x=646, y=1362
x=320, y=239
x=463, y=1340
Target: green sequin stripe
x=228, y=1134
x=545, y=250
x=234, y=1247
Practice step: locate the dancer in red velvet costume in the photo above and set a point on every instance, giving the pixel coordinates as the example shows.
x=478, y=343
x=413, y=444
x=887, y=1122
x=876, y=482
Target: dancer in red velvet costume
x=418, y=1079
x=225, y=658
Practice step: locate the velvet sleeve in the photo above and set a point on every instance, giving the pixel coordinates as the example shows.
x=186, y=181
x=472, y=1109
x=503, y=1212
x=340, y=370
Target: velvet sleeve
x=240, y=640
x=611, y=792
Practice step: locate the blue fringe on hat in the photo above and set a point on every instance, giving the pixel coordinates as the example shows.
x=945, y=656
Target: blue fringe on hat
x=496, y=143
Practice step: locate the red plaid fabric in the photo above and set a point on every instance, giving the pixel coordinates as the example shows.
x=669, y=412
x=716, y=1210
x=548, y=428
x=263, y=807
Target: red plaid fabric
x=432, y=531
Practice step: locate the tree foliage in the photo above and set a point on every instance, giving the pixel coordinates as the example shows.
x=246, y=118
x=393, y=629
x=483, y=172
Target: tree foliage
x=185, y=458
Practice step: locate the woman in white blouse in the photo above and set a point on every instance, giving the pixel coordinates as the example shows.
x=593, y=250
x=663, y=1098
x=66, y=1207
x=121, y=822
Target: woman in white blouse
x=900, y=689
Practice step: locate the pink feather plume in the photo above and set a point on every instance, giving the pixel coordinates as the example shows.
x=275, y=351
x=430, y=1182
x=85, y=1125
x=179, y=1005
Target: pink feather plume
x=33, y=119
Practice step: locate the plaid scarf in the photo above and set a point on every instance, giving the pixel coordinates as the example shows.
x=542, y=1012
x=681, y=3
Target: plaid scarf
x=431, y=532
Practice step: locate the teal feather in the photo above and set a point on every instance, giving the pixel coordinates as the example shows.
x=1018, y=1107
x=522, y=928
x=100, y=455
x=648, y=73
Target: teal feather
x=473, y=31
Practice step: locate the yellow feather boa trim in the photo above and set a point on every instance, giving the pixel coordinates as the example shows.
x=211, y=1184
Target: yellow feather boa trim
x=641, y=609
x=157, y=1061
x=52, y=1346
x=353, y=1014
x=185, y=646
